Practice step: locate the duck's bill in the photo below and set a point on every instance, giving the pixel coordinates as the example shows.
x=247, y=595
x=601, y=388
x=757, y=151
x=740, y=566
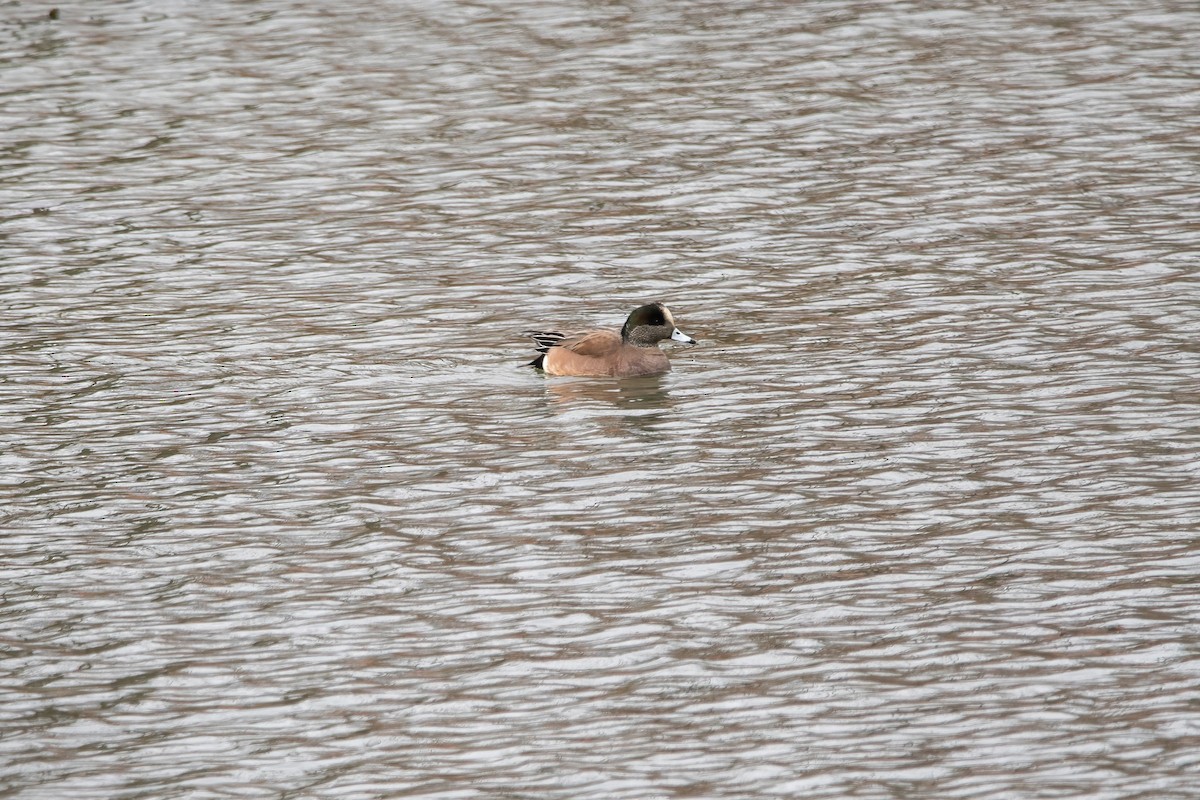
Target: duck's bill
x=680, y=336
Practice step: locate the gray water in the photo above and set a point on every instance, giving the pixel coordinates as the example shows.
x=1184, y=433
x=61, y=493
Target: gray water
x=284, y=516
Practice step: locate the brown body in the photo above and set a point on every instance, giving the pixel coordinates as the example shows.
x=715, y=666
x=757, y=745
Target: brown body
x=603, y=353
x=632, y=351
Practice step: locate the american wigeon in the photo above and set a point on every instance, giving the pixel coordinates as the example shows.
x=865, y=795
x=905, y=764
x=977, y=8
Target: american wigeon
x=631, y=351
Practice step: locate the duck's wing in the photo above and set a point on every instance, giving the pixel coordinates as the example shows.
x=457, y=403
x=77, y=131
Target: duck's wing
x=592, y=344
x=545, y=339
x=585, y=353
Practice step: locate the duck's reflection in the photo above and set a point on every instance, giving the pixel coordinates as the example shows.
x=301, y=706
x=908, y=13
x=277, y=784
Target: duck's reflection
x=648, y=393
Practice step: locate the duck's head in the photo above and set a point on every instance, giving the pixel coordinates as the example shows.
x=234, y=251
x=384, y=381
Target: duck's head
x=650, y=324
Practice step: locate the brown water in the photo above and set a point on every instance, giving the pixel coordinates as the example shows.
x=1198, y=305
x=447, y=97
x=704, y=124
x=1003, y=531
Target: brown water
x=284, y=517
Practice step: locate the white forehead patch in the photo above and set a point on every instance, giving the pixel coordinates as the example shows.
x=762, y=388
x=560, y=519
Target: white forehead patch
x=667, y=314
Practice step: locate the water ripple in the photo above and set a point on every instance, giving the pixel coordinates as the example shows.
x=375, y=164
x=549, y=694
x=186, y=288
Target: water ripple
x=284, y=515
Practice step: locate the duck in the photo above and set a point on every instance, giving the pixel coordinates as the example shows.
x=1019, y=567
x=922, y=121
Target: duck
x=629, y=352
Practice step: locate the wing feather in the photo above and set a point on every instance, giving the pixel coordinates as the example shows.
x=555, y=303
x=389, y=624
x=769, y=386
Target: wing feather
x=592, y=344
x=545, y=339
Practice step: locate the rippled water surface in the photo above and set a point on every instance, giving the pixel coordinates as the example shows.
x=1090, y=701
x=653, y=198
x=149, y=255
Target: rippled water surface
x=284, y=516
